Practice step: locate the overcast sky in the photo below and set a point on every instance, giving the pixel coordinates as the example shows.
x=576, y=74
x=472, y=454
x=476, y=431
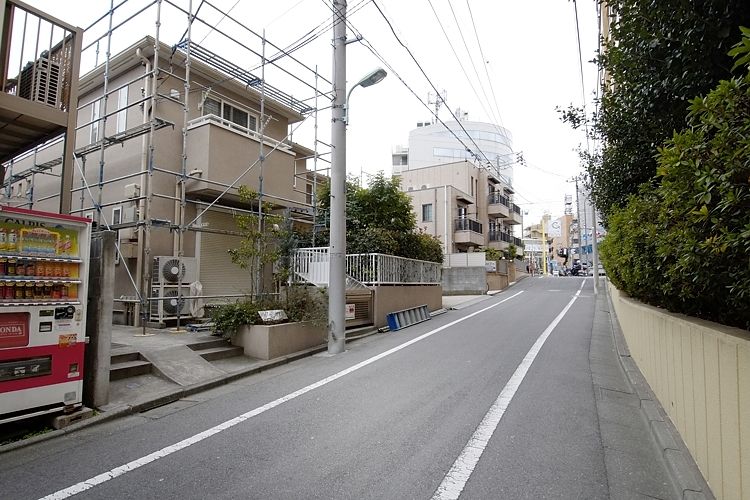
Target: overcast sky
x=527, y=48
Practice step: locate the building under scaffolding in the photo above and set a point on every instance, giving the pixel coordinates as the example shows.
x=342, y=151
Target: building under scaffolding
x=166, y=133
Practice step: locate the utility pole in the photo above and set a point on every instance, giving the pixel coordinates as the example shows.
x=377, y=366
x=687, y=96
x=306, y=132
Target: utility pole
x=337, y=249
x=595, y=251
x=580, y=225
x=544, y=246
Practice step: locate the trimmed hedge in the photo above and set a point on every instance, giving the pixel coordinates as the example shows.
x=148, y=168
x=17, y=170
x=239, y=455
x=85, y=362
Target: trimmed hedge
x=685, y=245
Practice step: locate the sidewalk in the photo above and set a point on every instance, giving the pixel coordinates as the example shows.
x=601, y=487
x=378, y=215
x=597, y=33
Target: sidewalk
x=644, y=454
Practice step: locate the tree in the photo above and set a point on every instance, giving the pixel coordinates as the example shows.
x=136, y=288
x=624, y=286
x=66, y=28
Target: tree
x=661, y=54
x=379, y=219
x=261, y=235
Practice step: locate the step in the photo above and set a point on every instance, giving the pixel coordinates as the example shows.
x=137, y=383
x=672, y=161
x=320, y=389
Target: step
x=209, y=344
x=121, y=357
x=226, y=351
x=125, y=369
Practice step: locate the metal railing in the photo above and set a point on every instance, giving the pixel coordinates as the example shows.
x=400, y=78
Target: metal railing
x=516, y=209
x=311, y=265
x=500, y=236
x=38, y=57
x=497, y=198
x=506, y=237
x=465, y=224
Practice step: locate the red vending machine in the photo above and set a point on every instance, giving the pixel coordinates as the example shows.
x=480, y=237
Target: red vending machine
x=43, y=285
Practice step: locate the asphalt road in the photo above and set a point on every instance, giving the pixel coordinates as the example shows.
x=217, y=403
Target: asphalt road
x=388, y=419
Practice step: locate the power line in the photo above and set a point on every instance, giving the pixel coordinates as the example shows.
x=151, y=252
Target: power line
x=487, y=72
x=580, y=65
x=468, y=150
x=474, y=66
x=447, y=38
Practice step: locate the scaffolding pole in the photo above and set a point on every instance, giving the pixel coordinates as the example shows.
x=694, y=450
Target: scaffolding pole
x=102, y=130
x=183, y=164
x=261, y=158
x=146, y=256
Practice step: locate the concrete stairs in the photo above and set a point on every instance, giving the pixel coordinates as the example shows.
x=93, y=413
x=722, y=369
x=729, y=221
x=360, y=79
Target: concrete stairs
x=125, y=364
x=216, y=349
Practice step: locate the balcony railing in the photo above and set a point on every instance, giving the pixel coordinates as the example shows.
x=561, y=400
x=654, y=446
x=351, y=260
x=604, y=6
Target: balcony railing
x=464, y=224
x=39, y=57
x=497, y=198
x=506, y=237
x=238, y=129
x=500, y=236
x=516, y=209
x=311, y=265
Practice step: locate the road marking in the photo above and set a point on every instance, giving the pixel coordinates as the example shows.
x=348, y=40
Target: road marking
x=140, y=462
x=458, y=475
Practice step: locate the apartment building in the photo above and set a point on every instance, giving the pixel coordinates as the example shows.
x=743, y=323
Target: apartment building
x=164, y=192
x=467, y=204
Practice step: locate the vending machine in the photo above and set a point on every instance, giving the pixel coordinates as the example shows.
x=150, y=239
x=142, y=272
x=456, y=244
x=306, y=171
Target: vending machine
x=43, y=289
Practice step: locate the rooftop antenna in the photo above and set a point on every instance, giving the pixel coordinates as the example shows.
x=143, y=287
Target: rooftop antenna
x=438, y=101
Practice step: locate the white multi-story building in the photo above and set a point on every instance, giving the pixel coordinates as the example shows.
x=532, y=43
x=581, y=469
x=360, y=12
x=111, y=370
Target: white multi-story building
x=460, y=180
x=433, y=144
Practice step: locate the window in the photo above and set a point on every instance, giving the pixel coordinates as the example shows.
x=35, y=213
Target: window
x=309, y=194
x=230, y=113
x=122, y=104
x=95, y=123
x=427, y=212
x=211, y=107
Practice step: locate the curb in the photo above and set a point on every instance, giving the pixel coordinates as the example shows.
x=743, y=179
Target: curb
x=684, y=472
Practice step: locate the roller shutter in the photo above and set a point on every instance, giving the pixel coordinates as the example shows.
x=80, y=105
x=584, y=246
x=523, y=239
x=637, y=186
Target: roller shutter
x=218, y=274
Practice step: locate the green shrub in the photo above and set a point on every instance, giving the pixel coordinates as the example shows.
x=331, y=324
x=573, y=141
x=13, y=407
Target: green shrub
x=303, y=303
x=685, y=245
x=300, y=303
x=229, y=318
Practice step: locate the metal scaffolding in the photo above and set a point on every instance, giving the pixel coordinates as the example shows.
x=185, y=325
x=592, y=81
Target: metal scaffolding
x=159, y=68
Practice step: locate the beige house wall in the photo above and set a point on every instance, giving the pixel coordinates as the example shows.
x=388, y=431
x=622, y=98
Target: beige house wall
x=700, y=371
x=220, y=153
x=464, y=184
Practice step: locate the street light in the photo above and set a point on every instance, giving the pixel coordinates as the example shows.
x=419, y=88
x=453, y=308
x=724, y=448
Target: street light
x=369, y=80
x=337, y=248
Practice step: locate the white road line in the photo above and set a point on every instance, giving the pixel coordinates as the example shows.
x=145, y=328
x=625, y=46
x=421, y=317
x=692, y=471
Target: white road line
x=140, y=462
x=458, y=475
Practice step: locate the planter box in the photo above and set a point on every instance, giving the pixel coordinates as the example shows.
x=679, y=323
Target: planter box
x=273, y=341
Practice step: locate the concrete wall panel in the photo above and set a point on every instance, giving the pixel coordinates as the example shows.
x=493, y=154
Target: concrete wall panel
x=700, y=371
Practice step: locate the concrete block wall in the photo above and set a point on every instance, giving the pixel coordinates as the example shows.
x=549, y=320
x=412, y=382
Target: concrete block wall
x=464, y=280
x=700, y=371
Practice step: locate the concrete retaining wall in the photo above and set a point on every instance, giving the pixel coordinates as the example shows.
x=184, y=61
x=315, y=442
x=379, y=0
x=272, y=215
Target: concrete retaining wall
x=700, y=371
x=273, y=341
x=464, y=280
x=395, y=298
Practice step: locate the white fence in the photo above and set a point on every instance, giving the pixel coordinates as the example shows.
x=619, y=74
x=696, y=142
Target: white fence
x=311, y=265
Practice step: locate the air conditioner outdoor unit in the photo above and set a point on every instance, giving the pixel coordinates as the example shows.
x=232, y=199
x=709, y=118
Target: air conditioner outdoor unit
x=174, y=301
x=170, y=270
x=40, y=81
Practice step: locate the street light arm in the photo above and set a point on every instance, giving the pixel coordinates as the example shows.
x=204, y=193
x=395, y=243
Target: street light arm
x=371, y=79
